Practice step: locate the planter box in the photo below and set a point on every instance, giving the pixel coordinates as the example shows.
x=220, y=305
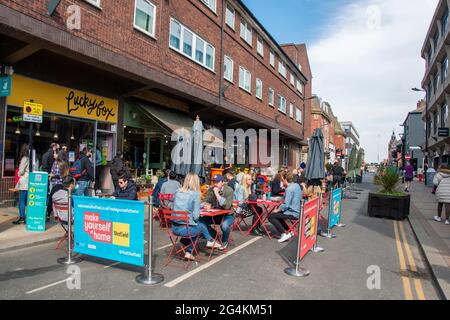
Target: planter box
x=384, y=206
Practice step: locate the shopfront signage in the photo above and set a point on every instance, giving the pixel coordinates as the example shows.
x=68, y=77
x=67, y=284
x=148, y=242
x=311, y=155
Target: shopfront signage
x=5, y=86
x=62, y=100
x=32, y=112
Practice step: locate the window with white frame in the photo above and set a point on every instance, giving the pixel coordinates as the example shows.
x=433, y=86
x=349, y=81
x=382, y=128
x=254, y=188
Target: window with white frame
x=291, y=110
x=228, y=69
x=260, y=46
x=245, y=79
x=292, y=80
x=212, y=4
x=282, y=69
x=271, y=97
x=259, y=89
x=298, y=115
x=272, y=58
x=144, y=17
x=230, y=16
x=94, y=2
x=191, y=45
x=281, y=104
x=300, y=86
x=246, y=32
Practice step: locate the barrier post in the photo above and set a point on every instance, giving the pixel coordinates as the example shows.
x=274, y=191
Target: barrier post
x=317, y=249
x=148, y=277
x=298, y=271
x=328, y=234
x=70, y=259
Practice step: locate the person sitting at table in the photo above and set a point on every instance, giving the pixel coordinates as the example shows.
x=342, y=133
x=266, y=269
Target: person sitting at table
x=127, y=189
x=231, y=180
x=60, y=196
x=243, y=194
x=220, y=196
x=187, y=199
x=290, y=209
x=276, y=186
x=171, y=186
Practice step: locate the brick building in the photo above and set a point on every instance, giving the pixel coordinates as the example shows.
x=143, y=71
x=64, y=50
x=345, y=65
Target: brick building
x=130, y=72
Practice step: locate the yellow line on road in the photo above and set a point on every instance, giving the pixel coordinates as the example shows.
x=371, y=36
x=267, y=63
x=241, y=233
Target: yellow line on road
x=412, y=263
x=406, y=284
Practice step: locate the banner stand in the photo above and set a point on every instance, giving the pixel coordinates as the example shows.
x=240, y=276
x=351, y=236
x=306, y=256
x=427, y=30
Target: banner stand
x=328, y=234
x=298, y=271
x=70, y=259
x=341, y=225
x=148, y=277
x=317, y=249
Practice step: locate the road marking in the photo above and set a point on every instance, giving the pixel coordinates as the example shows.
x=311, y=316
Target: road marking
x=412, y=263
x=406, y=284
x=48, y=286
x=178, y=280
x=166, y=246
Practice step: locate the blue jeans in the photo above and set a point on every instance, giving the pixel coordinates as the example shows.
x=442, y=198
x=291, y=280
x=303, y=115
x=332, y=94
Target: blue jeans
x=193, y=231
x=225, y=226
x=23, y=197
x=82, y=189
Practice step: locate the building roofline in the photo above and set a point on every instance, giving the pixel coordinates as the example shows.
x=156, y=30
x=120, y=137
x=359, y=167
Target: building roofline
x=286, y=56
x=431, y=27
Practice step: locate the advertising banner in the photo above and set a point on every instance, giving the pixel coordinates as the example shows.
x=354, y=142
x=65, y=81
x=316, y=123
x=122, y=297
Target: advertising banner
x=309, y=226
x=335, y=214
x=37, y=201
x=109, y=229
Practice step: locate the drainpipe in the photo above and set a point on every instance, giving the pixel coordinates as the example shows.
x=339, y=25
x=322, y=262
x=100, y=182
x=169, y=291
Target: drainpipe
x=221, y=54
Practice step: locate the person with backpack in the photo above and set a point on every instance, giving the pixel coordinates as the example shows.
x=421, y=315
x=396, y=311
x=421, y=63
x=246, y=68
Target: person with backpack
x=83, y=171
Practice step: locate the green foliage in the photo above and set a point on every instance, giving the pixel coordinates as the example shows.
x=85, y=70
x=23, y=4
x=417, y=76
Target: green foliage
x=388, y=179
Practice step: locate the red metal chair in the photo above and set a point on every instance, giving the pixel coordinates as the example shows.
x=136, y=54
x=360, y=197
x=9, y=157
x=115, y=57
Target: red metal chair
x=62, y=210
x=240, y=219
x=182, y=218
x=165, y=204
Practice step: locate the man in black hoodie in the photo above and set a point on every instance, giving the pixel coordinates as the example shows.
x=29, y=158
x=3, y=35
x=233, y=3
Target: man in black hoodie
x=117, y=169
x=127, y=189
x=48, y=159
x=87, y=173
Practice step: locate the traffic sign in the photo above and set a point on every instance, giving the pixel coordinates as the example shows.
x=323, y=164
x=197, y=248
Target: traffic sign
x=408, y=157
x=32, y=112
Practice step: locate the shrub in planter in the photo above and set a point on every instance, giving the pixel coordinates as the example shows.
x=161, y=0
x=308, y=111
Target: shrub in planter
x=389, y=202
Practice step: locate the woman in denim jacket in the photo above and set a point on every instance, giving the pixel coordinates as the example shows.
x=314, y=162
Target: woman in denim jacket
x=188, y=199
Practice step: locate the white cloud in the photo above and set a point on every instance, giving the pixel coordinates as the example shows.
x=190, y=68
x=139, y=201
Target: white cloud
x=367, y=62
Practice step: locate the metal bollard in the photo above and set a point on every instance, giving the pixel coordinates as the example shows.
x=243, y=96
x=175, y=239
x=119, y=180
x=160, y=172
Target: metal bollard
x=148, y=277
x=70, y=259
x=298, y=271
x=328, y=234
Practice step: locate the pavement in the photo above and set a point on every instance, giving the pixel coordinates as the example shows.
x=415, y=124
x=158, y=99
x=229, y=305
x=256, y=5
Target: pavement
x=370, y=259
x=434, y=237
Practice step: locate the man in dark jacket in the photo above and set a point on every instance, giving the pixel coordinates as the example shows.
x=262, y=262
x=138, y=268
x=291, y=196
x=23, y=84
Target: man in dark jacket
x=127, y=189
x=157, y=189
x=48, y=159
x=118, y=168
x=87, y=174
x=338, y=174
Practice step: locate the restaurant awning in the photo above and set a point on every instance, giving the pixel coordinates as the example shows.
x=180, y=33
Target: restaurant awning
x=170, y=118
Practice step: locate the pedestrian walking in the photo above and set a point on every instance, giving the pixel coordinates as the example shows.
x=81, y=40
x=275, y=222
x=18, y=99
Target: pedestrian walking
x=22, y=184
x=98, y=169
x=442, y=183
x=409, y=176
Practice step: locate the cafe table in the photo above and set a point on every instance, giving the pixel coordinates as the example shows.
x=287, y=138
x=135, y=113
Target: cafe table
x=268, y=206
x=217, y=216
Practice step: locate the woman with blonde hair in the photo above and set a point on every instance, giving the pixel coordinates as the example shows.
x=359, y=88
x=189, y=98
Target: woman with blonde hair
x=187, y=199
x=244, y=193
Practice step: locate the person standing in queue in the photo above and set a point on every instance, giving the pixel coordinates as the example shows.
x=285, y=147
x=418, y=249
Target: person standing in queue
x=84, y=173
x=48, y=158
x=220, y=196
x=118, y=168
x=22, y=184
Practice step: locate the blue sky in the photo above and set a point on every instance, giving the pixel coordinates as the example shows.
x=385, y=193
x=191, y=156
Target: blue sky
x=299, y=21
x=365, y=57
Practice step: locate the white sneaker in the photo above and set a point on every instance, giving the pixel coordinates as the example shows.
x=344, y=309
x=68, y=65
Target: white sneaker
x=436, y=218
x=189, y=256
x=447, y=222
x=285, y=237
x=215, y=245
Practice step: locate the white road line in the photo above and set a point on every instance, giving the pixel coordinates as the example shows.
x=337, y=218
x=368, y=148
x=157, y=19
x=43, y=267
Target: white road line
x=169, y=245
x=48, y=286
x=178, y=280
